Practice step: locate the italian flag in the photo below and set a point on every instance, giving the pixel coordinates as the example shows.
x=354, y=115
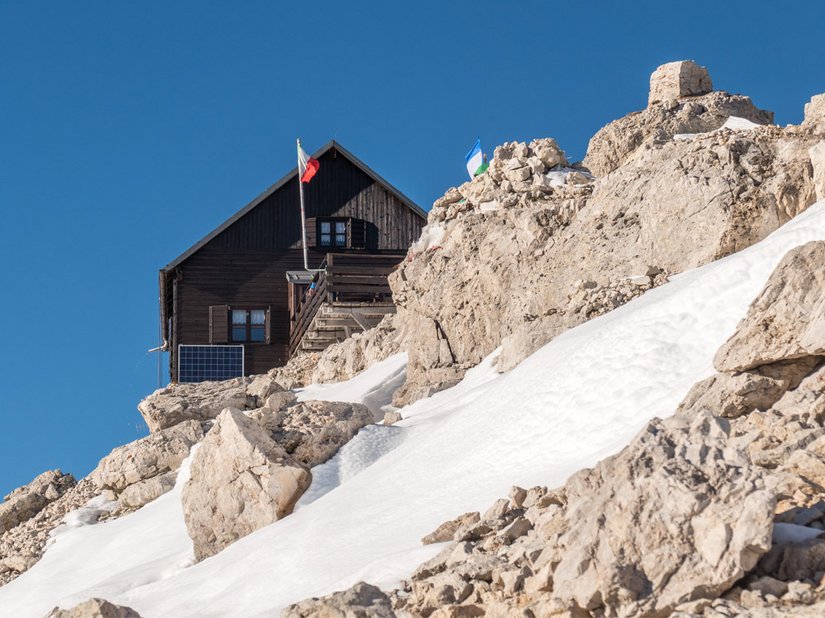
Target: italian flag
x=475, y=160
x=307, y=166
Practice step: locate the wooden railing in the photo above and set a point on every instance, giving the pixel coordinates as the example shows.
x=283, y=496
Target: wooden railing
x=358, y=279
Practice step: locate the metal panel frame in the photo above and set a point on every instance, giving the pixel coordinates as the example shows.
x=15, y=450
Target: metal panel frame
x=206, y=345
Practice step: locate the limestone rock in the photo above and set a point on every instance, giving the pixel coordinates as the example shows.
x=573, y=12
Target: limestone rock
x=675, y=80
x=94, y=608
x=298, y=371
x=241, y=480
x=391, y=418
x=447, y=530
x=815, y=114
x=360, y=601
x=144, y=469
x=703, y=548
x=311, y=432
x=22, y=545
x=519, y=276
x=615, y=144
x=345, y=360
x=734, y=395
x=679, y=515
x=203, y=401
x=787, y=319
x=143, y=492
x=817, y=153
x=25, y=502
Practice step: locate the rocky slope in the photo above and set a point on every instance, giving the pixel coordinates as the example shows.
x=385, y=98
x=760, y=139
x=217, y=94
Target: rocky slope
x=519, y=255
x=257, y=446
x=716, y=511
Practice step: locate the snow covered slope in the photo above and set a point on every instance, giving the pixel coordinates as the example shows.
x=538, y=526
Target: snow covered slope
x=579, y=398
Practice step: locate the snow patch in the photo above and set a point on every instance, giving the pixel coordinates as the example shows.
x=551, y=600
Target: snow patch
x=793, y=533
x=733, y=123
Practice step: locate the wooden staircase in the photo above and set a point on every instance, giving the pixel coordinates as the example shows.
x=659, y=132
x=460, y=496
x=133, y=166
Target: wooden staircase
x=335, y=322
x=350, y=296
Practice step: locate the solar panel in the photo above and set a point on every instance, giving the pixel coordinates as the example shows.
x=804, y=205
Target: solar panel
x=199, y=363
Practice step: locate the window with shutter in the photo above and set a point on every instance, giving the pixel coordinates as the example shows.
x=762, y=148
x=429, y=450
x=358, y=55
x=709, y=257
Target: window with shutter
x=250, y=326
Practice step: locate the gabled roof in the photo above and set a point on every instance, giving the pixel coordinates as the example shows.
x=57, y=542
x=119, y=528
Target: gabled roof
x=326, y=147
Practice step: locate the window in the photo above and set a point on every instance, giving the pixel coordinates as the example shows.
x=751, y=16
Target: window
x=249, y=325
x=332, y=233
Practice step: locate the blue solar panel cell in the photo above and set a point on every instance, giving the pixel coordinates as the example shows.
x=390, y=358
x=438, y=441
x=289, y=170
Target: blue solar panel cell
x=201, y=363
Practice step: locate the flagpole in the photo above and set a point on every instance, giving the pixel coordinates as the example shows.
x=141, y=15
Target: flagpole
x=303, y=214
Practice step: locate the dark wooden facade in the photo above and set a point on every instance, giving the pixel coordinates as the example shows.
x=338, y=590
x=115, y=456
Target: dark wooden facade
x=243, y=263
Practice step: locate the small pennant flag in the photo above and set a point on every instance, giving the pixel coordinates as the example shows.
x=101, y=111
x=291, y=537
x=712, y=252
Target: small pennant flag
x=475, y=160
x=307, y=166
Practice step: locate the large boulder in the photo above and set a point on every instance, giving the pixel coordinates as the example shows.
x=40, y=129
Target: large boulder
x=676, y=516
x=241, y=480
x=203, y=401
x=144, y=469
x=675, y=80
x=94, y=608
x=787, y=319
x=25, y=502
x=360, y=601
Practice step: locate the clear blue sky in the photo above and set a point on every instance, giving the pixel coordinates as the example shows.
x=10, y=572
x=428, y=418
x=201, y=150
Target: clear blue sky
x=130, y=130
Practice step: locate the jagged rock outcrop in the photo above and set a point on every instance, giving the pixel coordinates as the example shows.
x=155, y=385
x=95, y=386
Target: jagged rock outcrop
x=520, y=276
x=22, y=546
x=203, y=401
x=241, y=480
x=94, y=608
x=25, y=502
x=142, y=470
x=680, y=101
x=360, y=601
x=787, y=320
x=525, y=251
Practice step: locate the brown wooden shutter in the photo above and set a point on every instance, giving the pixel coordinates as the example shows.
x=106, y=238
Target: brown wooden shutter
x=357, y=233
x=219, y=324
x=268, y=323
x=312, y=232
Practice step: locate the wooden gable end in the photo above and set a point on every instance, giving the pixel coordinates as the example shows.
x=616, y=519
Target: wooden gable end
x=339, y=189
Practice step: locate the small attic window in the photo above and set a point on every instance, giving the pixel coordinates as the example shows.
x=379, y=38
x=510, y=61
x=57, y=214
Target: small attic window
x=332, y=233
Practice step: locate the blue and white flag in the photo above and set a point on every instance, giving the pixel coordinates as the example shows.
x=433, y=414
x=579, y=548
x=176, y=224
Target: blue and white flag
x=475, y=160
